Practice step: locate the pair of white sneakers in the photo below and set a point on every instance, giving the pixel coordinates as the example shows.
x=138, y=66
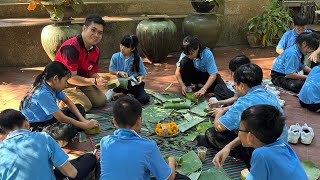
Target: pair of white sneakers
x=305, y=133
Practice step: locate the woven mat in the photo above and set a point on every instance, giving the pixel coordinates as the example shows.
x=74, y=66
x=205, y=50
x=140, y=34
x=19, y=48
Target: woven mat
x=232, y=165
x=268, y=82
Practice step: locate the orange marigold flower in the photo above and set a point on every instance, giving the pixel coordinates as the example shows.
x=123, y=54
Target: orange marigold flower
x=32, y=6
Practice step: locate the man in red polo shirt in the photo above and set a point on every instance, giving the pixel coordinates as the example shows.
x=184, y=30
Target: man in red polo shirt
x=81, y=56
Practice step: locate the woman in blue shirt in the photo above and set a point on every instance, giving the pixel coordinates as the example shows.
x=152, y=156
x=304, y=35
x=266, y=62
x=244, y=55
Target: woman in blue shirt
x=284, y=72
x=309, y=95
x=197, y=66
x=40, y=104
x=127, y=63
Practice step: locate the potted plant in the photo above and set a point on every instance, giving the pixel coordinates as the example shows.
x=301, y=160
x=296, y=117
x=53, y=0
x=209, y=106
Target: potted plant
x=59, y=10
x=205, y=6
x=270, y=25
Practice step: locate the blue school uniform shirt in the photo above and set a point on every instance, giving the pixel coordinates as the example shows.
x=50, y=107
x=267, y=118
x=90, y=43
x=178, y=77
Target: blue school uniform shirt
x=310, y=92
x=289, y=61
x=42, y=104
x=30, y=156
x=119, y=63
x=126, y=155
x=288, y=39
x=205, y=63
x=256, y=95
x=276, y=161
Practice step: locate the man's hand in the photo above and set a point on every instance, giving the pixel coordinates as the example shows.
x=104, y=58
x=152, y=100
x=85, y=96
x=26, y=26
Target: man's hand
x=101, y=81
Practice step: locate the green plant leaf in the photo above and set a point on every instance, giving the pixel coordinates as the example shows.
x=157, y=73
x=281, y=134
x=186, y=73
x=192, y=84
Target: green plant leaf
x=311, y=170
x=189, y=122
x=202, y=127
x=200, y=108
x=191, y=163
x=155, y=114
x=214, y=172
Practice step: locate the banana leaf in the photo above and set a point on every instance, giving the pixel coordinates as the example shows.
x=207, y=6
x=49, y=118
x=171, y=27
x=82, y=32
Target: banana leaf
x=124, y=82
x=182, y=105
x=113, y=83
x=191, y=136
x=312, y=171
x=155, y=114
x=182, y=111
x=218, y=174
x=202, y=127
x=195, y=175
x=157, y=95
x=179, y=160
x=200, y=108
x=191, y=163
x=189, y=122
x=190, y=96
x=176, y=100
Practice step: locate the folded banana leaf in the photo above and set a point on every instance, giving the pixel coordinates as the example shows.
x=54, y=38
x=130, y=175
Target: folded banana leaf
x=195, y=175
x=191, y=163
x=157, y=95
x=200, y=109
x=312, y=171
x=218, y=174
x=124, y=82
x=179, y=160
x=189, y=122
x=155, y=114
x=182, y=105
x=191, y=136
x=113, y=83
x=192, y=98
x=202, y=127
x=176, y=100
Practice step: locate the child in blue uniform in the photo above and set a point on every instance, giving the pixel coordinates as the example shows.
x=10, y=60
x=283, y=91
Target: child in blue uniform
x=284, y=71
x=40, y=104
x=247, y=78
x=197, y=66
x=32, y=155
x=128, y=63
x=127, y=155
x=309, y=96
x=273, y=158
x=226, y=94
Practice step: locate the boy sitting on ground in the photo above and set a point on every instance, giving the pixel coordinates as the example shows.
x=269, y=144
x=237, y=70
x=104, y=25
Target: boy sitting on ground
x=260, y=128
x=126, y=155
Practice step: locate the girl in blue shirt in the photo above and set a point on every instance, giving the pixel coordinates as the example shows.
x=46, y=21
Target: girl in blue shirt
x=40, y=104
x=128, y=63
x=197, y=66
x=284, y=72
x=309, y=95
x=260, y=128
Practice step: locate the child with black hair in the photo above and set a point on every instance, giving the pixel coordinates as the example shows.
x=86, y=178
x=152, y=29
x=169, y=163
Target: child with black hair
x=197, y=66
x=40, y=104
x=247, y=78
x=127, y=155
x=32, y=155
x=260, y=128
x=226, y=94
x=284, y=71
x=128, y=63
x=309, y=96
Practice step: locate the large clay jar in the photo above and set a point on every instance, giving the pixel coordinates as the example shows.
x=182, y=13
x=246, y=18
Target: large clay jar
x=155, y=35
x=52, y=36
x=205, y=26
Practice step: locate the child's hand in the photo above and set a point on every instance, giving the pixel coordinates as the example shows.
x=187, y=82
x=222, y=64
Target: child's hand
x=140, y=78
x=313, y=57
x=199, y=93
x=213, y=104
x=122, y=74
x=171, y=160
x=221, y=156
x=92, y=124
x=184, y=90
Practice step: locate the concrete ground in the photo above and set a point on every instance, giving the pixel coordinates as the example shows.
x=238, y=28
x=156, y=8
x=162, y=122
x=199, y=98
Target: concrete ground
x=15, y=82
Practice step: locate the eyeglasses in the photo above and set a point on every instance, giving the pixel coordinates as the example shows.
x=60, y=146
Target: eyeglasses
x=238, y=130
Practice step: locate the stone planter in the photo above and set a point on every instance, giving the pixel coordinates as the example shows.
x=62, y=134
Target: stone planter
x=205, y=26
x=201, y=7
x=253, y=41
x=155, y=35
x=52, y=36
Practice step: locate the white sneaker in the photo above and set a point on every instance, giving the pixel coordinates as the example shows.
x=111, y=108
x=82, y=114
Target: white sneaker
x=306, y=134
x=189, y=89
x=294, y=133
x=213, y=99
x=109, y=95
